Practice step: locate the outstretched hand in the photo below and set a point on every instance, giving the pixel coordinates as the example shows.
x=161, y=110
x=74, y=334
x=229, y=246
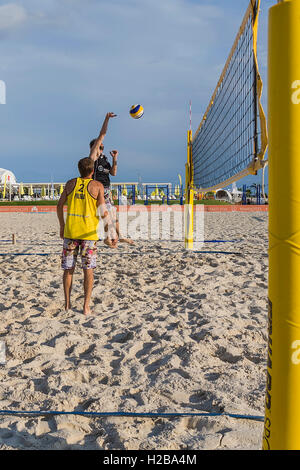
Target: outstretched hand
x=110, y=115
x=114, y=153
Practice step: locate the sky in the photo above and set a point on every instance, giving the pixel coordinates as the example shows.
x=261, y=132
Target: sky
x=66, y=63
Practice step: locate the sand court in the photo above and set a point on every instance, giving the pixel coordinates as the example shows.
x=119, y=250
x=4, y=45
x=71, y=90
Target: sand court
x=172, y=331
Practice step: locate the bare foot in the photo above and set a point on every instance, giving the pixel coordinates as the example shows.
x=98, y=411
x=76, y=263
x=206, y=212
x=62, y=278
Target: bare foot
x=126, y=240
x=87, y=311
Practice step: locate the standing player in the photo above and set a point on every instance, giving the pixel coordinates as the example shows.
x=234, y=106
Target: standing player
x=83, y=196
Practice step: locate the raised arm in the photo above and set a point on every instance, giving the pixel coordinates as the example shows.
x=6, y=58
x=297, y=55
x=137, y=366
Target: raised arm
x=100, y=138
x=114, y=154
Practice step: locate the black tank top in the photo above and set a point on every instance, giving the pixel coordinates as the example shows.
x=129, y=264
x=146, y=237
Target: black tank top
x=102, y=168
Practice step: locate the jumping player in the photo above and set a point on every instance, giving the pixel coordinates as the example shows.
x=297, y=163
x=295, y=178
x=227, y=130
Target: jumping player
x=102, y=170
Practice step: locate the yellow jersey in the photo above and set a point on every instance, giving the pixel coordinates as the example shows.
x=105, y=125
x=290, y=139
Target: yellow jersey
x=82, y=221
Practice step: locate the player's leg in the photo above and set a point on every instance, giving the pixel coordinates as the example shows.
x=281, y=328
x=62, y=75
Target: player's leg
x=88, y=283
x=89, y=260
x=68, y=263
x=67, y=283
x=113, y=216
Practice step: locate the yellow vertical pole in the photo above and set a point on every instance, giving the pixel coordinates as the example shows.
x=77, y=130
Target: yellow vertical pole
x=282, y=415
x=189, y=196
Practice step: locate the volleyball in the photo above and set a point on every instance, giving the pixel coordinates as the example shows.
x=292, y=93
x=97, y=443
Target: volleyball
x=136, y=111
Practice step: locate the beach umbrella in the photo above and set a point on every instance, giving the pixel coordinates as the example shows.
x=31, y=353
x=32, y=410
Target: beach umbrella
x=156, y=193
x=30, y=191
x=180, y=185
x=43, y=193
x=61, y=189
x=124, y=192
x=21, y=189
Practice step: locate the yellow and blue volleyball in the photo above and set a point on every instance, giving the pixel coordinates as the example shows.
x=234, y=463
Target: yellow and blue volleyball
x=136, y=111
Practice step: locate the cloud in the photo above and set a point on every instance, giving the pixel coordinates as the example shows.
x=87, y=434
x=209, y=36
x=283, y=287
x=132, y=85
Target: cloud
x=11, y=16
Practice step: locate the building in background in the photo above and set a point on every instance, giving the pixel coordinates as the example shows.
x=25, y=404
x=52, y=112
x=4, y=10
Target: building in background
x=10, y=177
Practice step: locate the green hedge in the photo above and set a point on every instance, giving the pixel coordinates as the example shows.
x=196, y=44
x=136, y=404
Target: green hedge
x=54, y=203
x=28, y=203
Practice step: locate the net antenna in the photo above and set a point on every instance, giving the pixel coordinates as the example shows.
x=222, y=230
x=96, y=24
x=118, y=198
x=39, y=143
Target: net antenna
x=231, y=140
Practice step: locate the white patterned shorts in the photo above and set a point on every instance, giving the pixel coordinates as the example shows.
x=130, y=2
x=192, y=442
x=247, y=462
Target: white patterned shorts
x=88, y=253
x=109, y=205
x=107, y=198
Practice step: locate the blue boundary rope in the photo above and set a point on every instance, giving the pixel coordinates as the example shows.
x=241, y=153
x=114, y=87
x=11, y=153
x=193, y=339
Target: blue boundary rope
x=107, y=252
x=130, y=414
x=204, y=241
x=218, y=252
x=28, y=254
x=222, y=241
x=121, y=253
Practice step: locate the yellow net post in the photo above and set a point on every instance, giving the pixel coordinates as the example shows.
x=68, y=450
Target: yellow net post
x=189, y=196
x=282, y=415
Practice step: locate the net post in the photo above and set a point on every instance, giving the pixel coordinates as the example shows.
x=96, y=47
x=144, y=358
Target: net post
x=119, y=195
x=189, y=196
x=282, y=407
x=146, y=200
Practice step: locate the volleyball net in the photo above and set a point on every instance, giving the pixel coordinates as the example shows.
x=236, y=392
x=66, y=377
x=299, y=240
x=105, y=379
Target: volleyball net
x=231, y=140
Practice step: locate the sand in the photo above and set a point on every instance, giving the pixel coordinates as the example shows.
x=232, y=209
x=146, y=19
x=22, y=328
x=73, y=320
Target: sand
x=172, y=331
